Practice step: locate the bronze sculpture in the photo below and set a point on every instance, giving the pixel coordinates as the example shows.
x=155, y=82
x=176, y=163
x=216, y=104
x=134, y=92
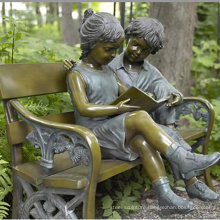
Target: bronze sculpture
x=143, y=41
x=121, y=133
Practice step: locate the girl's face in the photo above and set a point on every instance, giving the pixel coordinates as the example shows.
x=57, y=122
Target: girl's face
x=103, y=53
x=137, y=50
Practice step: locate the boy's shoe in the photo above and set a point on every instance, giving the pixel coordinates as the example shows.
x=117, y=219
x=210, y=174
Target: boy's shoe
x=201, y=191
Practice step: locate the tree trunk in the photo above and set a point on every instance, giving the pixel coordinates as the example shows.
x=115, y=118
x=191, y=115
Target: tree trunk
x=58, y=16
x=38, y=14
x=3, y=14
x=11, y=10
x=69, y=30
x=79, y=7
x=174, y=61
x=51, y=12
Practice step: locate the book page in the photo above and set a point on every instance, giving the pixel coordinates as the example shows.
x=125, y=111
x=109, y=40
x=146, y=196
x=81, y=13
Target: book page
x=139, y=98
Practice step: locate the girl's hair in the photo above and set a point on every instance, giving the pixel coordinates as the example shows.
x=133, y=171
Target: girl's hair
x=151, y=30
x=98, y=27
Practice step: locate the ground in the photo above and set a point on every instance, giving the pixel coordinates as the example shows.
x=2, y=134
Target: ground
x=149, y=208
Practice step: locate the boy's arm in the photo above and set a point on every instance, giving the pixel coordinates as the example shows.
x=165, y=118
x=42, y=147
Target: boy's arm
x=163, y=88
x=68, y=64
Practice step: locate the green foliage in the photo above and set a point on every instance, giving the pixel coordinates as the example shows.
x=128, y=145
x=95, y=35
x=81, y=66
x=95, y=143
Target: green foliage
x=205, y=57
x=208, y=88
x=141, y=9
x=45, y=51
x=214, y=144
x=47, y=31
x=12, y=40
x=5, y=179
x=3, y=209
x=205, y=65
x=125, y=198
x=17, y=46
x=206, y=27
x=27, y=16
x=5, y=186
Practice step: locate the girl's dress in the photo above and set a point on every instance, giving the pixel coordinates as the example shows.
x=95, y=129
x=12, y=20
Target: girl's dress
x=102, y=89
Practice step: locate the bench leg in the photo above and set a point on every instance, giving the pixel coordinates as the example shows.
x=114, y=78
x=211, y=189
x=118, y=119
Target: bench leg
x=89, y=205
x=208, y=180
x=17, y=198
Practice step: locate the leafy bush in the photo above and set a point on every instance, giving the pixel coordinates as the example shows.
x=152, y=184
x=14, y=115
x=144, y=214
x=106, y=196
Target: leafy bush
x=125, y=198
x=206, y=27
x=214, y=144
x=205, y=67
x=17, y=46
x=5, y=186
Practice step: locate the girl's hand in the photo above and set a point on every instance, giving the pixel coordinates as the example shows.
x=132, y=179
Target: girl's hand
x=174, y=100
x=122, y=107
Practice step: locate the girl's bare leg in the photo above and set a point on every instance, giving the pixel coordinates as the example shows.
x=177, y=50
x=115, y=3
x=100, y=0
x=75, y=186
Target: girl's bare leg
x=140, y=123
x=151, y=159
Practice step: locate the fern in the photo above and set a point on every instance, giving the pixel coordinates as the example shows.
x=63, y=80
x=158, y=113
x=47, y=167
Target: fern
x=5, y=186
x=30, y=153
x=3, y=209
x=37, y=108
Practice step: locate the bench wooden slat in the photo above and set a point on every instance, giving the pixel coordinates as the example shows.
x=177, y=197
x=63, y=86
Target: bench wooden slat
x=72, y=176
x=190, y=134
x=64, y=175
x=17, y=131
x=33, y=172
x=31, y=79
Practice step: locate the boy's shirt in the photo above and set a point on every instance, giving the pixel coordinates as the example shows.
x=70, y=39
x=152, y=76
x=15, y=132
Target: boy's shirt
x=148, y=79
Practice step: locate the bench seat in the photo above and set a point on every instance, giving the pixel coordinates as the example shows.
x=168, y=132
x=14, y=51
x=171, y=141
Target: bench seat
x=65, y=175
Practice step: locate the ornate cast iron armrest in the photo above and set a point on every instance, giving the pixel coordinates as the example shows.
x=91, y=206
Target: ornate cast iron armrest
x=200, y=109
x=54, y=138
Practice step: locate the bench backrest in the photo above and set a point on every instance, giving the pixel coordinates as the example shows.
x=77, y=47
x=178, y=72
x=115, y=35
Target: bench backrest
x=24, y=80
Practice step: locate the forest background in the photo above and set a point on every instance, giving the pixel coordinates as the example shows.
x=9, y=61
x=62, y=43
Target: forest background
x=41, y=32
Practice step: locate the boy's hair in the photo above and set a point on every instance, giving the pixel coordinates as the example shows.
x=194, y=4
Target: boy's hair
x=98, y=27
x=151, y=30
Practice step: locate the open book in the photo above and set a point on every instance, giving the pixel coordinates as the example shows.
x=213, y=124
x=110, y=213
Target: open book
x=139, y=98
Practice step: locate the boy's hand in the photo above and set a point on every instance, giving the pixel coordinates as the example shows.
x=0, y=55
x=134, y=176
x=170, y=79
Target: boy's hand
x=174, y=100
x=150, y=94
x=68, y=64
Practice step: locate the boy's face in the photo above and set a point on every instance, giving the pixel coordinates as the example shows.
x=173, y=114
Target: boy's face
x=137, y=50
x=104, y=52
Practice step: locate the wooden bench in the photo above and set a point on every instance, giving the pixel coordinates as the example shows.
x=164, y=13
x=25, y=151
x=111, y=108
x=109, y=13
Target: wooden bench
x=45, y=182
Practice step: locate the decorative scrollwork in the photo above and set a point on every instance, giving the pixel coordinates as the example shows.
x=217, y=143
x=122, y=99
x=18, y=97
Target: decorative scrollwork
x=197, y=109
x=52, y=141
x=52, y=207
